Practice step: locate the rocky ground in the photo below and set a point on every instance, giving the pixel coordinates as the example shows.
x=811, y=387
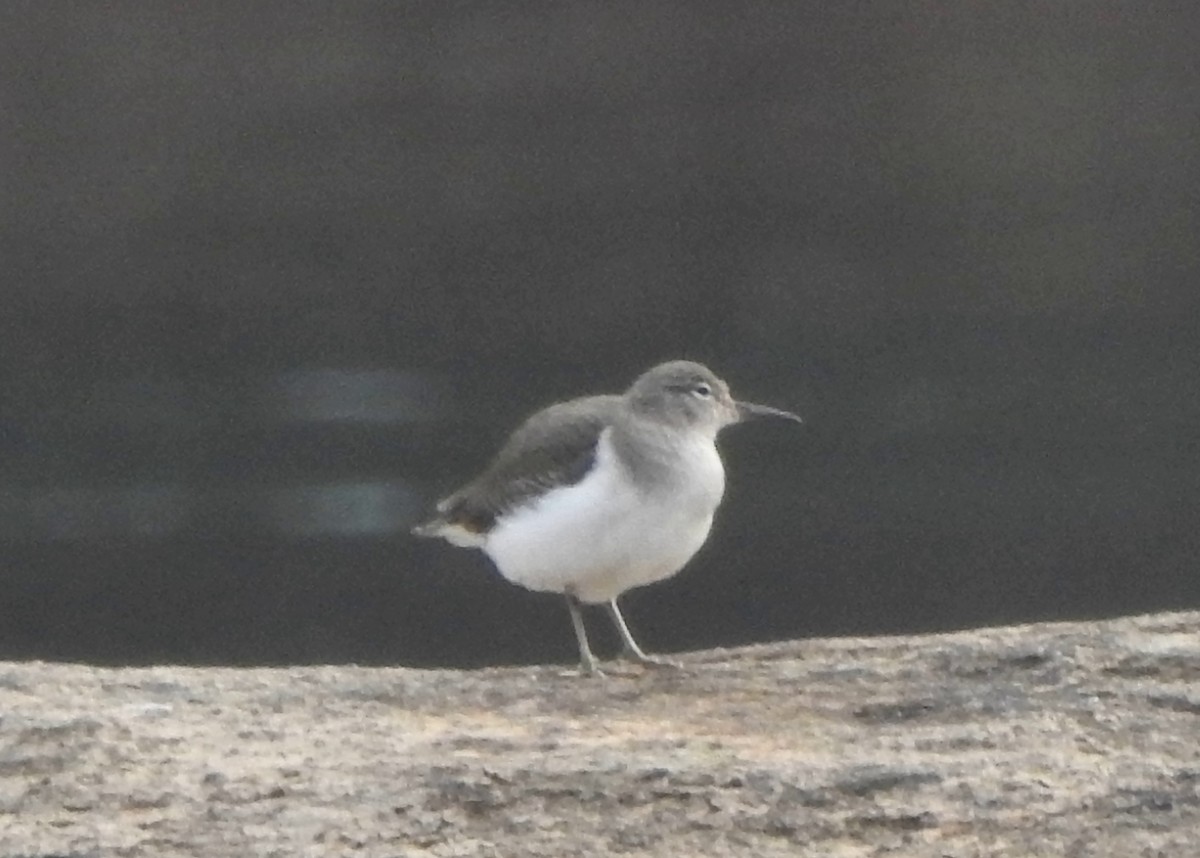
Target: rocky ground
x=1079, y=739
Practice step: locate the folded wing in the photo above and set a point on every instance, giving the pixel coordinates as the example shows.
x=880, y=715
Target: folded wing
x=554, y=447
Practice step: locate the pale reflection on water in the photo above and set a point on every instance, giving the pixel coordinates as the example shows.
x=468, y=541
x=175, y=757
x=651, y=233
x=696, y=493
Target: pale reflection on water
x=344, y=509
x=154, y=458
x=359, y=396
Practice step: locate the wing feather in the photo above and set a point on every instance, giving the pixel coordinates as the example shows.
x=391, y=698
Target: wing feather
x=554, y=447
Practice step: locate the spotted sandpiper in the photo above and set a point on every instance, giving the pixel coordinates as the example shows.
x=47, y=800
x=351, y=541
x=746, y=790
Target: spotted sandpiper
x=594, y=496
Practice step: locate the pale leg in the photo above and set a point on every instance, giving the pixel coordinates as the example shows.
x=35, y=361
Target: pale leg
x=630, y=650
x=588, y=663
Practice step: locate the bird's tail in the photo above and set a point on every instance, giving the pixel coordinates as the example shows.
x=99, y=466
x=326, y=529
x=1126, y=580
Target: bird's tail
x=429, y=529
x=453, y=532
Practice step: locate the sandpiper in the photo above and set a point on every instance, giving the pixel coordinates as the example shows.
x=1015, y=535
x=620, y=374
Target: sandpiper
x=594, y=496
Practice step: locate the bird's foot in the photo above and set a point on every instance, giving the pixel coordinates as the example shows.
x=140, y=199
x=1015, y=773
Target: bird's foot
x=590, y=667
x=639, y=657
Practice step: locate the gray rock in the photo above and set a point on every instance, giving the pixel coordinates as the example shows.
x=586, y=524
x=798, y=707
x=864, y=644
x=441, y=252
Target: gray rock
x=1054, y=739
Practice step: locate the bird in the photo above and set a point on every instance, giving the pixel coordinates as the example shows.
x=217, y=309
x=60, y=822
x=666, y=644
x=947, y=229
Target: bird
x=594, y=496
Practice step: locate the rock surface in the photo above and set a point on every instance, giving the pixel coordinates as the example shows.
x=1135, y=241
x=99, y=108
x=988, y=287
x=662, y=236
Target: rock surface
x=1079, y=739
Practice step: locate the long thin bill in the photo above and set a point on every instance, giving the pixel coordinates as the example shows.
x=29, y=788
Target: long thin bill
x=752, y=411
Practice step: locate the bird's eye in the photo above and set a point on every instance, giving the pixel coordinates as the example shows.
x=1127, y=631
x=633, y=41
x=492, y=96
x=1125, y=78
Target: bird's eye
x=702, y=390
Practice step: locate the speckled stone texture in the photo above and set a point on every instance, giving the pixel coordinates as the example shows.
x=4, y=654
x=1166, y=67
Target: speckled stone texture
x=1073, y=739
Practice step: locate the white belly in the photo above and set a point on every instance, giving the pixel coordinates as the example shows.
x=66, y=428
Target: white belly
x=605, y=534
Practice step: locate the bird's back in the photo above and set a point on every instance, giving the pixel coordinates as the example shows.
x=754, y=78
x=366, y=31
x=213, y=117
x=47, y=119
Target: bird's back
x=554, y=447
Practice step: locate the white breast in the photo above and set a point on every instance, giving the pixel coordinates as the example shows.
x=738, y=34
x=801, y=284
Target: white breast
x=606, y=534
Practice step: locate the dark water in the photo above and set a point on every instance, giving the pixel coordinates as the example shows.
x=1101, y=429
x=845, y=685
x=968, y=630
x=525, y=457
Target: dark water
x=262, y=517
x=274, y=281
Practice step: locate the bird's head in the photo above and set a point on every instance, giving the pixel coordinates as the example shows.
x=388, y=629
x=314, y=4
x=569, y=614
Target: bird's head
x=688, y=395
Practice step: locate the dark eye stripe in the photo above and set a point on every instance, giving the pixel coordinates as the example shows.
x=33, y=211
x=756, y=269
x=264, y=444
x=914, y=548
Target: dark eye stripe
x=701, y=387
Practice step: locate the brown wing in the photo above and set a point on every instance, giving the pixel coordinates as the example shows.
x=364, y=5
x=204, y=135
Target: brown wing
x=554, y=447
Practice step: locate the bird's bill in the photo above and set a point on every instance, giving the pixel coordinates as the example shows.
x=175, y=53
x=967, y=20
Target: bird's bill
x=752, y=411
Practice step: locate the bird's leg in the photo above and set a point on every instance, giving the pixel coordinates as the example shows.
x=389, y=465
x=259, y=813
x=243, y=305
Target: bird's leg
x=630, y=651
x=588, y=663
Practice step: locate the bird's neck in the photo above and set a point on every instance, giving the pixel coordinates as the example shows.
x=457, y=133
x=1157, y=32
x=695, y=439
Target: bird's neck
x=657, y=455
